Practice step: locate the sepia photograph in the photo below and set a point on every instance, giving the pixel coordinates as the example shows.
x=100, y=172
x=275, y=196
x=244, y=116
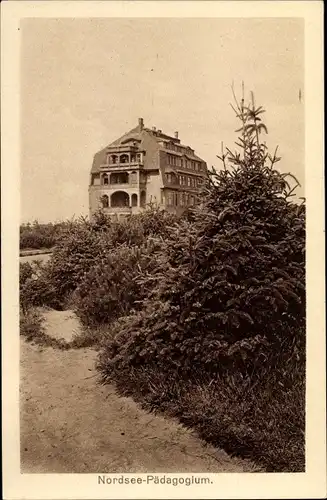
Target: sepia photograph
x=162, y=213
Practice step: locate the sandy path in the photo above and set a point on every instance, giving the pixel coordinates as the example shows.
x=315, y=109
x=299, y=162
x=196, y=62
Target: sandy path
x=30, y=258
x=69, y=423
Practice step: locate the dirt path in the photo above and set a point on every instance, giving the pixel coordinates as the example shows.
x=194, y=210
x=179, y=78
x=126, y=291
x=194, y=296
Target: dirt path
x=71, y=424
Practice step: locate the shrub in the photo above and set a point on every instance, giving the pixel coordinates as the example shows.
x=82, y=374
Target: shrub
x=260, y=417
x=31, y=324
x=72, y=258
x=86, y=245
x=26, y=272
x=110, y=289
x=37, y=236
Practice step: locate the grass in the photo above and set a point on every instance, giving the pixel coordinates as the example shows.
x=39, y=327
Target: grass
x=33, y=330
x=261, y=418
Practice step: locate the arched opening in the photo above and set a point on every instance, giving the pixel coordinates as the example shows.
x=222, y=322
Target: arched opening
x=113, y=159
x=104, y=201
x=134, y=200
x=124, y=158
x=142, y=199
x=119, y=178
x=105, y=179
x=133, y=158
x=119, y=199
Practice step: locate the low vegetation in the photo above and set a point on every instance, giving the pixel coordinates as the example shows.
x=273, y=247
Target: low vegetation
x=37, y=236
x=200, y=317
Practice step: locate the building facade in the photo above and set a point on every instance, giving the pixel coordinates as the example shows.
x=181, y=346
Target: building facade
x=143, y=167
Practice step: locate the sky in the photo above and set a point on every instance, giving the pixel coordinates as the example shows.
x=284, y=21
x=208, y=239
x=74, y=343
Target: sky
x=85, y=82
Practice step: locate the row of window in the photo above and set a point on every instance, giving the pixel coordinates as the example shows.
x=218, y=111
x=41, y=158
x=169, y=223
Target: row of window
x=180, y=199
x=120, y=199
x=122, y=178
x=179, y=149
x=182, y=162
x=184, y=180
x=113, y=159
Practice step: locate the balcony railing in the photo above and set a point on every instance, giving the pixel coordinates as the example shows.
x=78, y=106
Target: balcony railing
x=110, y=166
x=127, y=209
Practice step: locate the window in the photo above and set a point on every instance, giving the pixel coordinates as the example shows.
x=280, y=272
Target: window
x=104, y=201
x=133, y=177
x=142, y=177
x=95, y=179
x=134, y=200
x=170, y=199
x=124, y=158
x=105, y=179
x=119, y=178
x=189, y=181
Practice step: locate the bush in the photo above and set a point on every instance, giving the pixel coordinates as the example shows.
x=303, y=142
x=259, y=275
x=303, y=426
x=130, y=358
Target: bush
x=260, y=417
x=72, y=258
x=89, y=250
x=86, y=245
x=37, y=236
x=34, y=287
x=111, y=288
x=31, y=324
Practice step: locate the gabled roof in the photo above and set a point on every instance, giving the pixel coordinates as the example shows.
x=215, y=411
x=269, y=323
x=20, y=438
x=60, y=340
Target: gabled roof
x=139, y=134
x=134, y=133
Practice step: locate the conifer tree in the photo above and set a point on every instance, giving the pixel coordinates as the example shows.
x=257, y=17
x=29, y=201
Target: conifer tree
x=231, y=288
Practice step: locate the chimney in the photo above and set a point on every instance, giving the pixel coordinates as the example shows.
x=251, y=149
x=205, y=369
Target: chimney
x=176, y=135
x=141, y=123
x=159, y=131
x=153, y=129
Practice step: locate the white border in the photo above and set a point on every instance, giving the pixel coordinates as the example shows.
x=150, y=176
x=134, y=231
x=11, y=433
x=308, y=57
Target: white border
x=312, y=483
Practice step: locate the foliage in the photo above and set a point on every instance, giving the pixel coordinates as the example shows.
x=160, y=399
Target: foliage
x=84, y=247
x=34, y=287
x=111, y=287
x=33, y=330
x=26, y=272
x=260, y=416
x=234, y=289
x=38, y=236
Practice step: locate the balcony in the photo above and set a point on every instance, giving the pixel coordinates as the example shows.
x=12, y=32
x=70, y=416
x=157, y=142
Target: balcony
x=114, y=166
x=119, y=210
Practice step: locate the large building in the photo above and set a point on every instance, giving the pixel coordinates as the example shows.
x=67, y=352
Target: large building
x=145, y=167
